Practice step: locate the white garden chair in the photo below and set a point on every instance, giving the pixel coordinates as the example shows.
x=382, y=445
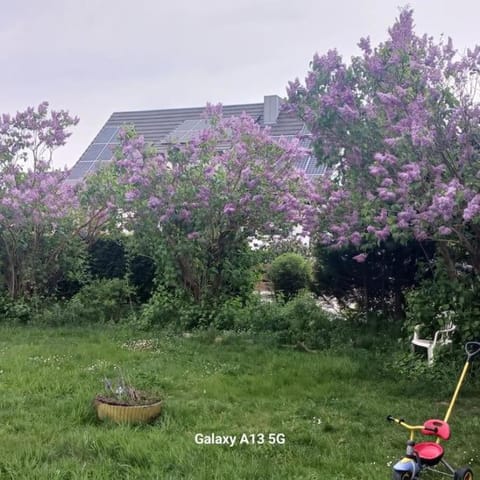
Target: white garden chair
x=441, y=337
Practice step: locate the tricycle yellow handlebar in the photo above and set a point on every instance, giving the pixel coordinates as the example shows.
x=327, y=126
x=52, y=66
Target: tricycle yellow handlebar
x=410, y=428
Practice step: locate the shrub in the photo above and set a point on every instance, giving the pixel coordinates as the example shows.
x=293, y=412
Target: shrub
x=58, y=314
x=307, y=322
x=269, y=317
x=235, y=314
x=287, y=323
x=442, y=299
x=300, y=320
x=14, y=311
x=267, y=251
x=116, y=258
x=171, y=308
x=290, y=273
x=98, y=302
x=440, y=377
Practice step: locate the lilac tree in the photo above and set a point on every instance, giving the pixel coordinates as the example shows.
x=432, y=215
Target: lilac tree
x=35, y=201
x=205, y=198
x=98, y=213
x=399, y=127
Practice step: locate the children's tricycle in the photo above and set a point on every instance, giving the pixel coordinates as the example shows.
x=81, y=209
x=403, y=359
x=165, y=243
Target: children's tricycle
x=424, y=456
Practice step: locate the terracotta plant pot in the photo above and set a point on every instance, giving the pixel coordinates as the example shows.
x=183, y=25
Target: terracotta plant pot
x=120, y=413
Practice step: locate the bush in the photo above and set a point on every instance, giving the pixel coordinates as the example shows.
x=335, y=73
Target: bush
x=416, y=374
x=235, y=314
x=98, y=302
x=307, y=322
x=266, y=317
x=171, y=308
x=300, y=320
x=267, y=251
x=115, y=258
x=15, y=311
x=290, y=273
x=443, y=299
x=58, y=314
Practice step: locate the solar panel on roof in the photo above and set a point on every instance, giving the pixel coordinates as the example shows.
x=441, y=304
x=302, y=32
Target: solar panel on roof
x=106, y=154
x=99, y=151
x=80, y=169
x=313, y=168
x=302, y=163
x=92, y=152
x=305, y=143
x=106, y=134
x=187, y=130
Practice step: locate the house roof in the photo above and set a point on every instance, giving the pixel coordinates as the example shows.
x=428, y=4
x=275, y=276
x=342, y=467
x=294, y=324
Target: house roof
x=163, y=127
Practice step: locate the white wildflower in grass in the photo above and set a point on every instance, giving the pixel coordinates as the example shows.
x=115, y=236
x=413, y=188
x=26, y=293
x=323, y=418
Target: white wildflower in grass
x=141, y=345
x=98, y=365
x=50, y=360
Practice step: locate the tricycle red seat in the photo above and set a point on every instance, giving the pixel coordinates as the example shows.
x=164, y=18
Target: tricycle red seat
x=430, y=453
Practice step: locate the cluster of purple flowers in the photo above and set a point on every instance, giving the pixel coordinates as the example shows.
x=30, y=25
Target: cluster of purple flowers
x=232, y=174
x=399, y=128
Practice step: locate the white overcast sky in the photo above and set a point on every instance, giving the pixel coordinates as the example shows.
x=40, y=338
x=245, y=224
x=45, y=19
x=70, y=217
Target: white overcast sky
x=94, y=57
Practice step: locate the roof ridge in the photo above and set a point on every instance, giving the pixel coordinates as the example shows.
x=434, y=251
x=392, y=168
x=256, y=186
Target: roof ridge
x=185, y=109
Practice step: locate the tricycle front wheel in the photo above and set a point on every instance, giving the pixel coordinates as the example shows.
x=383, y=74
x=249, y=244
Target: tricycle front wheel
x=463, y=473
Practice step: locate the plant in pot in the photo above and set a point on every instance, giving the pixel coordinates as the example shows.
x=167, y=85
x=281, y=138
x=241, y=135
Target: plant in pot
x=123, y=403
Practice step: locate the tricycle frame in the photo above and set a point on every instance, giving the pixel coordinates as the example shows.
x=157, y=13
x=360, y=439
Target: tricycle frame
x=427, y=455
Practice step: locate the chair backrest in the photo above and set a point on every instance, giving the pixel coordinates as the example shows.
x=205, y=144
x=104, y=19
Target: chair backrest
x=439, y=428
x=445, y=334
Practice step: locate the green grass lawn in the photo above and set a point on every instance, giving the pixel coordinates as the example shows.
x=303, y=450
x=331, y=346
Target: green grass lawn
x=330, y=407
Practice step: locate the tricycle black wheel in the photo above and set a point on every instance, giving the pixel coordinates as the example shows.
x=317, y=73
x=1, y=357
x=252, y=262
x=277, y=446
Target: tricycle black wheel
x=402, y=475
x=463, y=473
